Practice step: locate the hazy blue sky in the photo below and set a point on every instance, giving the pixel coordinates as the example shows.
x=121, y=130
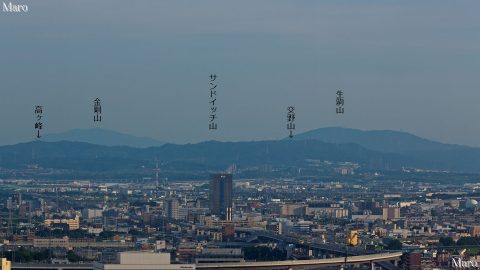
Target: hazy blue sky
x=404, y=65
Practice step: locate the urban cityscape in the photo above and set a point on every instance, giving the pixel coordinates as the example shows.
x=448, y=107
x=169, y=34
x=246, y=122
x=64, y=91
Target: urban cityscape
x=239, y=135
x=229, y=223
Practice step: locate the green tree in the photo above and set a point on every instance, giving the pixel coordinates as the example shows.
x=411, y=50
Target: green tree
x=395, y=244
x=264, y=254
x=105, y=235
x=468, y=241
x=446, y=241
x=72, y=257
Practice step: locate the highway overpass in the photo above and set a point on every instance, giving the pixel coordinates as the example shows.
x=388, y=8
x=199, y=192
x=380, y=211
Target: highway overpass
x=271, y=265
x=305, y=264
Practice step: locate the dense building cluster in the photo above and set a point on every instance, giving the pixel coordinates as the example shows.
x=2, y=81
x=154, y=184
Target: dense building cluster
x=224, y=220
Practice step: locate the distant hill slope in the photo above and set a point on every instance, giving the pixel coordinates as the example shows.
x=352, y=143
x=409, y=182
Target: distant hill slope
x=212, y=155
x=373, y=150
x=102, y=137
x=386, y=141
x=425, y=153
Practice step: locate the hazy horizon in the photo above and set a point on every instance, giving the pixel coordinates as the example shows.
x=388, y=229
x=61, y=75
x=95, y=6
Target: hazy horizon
x=52, y=137
x=409, y=66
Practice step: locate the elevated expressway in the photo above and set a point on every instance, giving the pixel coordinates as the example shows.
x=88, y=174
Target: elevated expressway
x=371, y=260
x=305, y=264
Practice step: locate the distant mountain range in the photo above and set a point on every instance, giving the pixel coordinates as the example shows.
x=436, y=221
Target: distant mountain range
x=372, y=150
x=75, y=159
x=386, y=141
x=422, y=152
x=102, y=137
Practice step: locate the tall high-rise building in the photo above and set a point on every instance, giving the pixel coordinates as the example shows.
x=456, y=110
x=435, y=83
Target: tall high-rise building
x=171, y=208
x=221, y=195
